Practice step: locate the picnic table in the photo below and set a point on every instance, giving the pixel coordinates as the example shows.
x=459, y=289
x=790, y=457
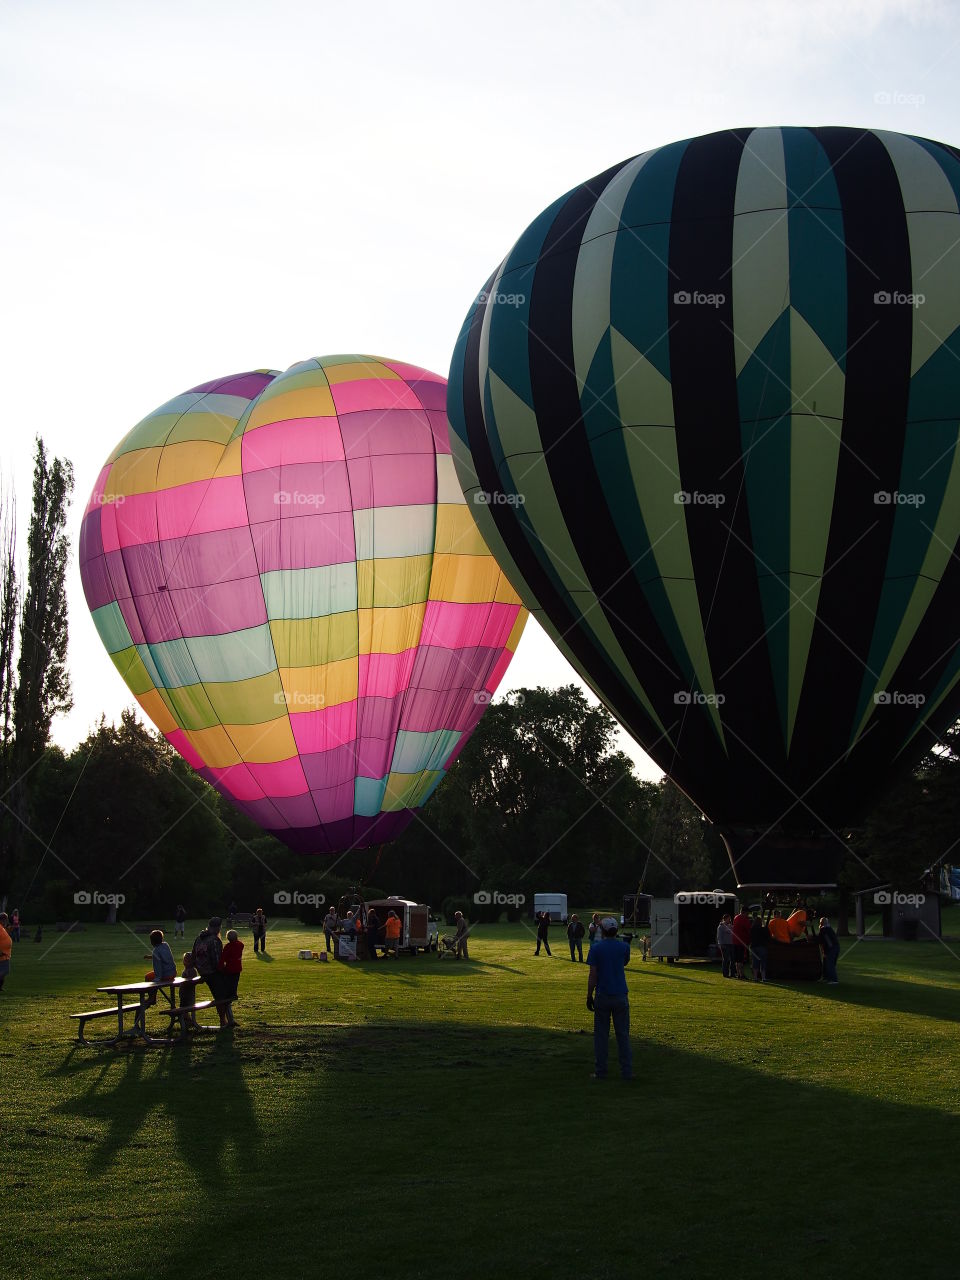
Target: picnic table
x=133, y=997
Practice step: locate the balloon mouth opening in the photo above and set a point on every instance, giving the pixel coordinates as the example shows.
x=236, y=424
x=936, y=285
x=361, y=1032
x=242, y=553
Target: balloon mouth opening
x=763, y=859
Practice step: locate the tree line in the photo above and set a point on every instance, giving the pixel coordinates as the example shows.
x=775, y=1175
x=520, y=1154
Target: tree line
x=541, y=798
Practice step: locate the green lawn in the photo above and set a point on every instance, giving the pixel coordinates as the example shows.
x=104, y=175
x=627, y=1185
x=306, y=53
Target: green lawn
x=418, y=1118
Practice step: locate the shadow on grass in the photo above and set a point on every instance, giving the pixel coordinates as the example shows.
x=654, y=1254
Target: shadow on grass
x=414, y=972
x=196, y=1091
x=457, y=1116
x=919, y=999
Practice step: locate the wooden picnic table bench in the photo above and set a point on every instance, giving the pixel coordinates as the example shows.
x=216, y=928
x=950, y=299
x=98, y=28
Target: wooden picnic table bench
x=184, y=1011
x=143, y=991
x=84, y=1018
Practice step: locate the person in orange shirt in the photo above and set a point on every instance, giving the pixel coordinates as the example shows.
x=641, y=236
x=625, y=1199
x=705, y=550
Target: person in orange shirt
x=6, y=948
x=797, y=923
x=392, y=934
x=779, y=930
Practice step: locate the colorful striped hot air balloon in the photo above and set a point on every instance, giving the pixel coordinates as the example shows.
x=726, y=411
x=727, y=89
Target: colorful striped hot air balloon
x=724, y=379
x=285, y=573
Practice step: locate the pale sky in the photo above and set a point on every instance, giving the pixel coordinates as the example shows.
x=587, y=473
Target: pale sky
x=191, y=190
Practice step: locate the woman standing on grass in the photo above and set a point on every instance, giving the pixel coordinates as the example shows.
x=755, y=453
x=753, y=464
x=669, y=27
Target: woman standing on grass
x=230, y=967
x=593, y=928
x=830, y=946
x=259, y=925
x=543, y=932
x=575, y=933
x=330, y=923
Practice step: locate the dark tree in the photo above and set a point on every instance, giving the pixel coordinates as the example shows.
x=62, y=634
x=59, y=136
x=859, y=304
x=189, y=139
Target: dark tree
x=42, y=686
x=43, y=679
x=540, y=798
x=9, y=603
x=125, y=814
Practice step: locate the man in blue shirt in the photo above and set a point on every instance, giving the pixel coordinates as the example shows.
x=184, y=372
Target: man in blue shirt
x=607, y=998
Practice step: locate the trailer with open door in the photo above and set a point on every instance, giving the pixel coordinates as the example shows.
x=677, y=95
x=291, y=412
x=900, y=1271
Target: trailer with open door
x=686, y=924
x=417, y=932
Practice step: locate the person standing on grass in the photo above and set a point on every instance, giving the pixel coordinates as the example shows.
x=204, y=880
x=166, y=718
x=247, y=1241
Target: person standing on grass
x=607, y=998
x=15, y=924
x=830, y=946
x=392, y=930
x=329, y=924
x=372, y=932
x=759, y=947
x=230, y=967
x=6, y=948
x=207, y=950
x=462, y=934
x=179, y=920
x=575, y=932
x=741, y=940
x=725, y=943
x=593, y=928
x=259, y=926
x=543, y=929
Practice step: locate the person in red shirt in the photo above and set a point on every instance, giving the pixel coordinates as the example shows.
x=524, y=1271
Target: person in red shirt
x=6, y=949
x=741, y=939
x=231, y=965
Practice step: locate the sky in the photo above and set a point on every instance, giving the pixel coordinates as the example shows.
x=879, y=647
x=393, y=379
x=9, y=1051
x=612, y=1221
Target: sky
x=191, y=190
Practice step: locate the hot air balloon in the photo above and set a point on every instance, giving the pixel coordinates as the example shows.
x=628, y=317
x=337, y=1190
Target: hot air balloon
x=284, y=571
x=714, y=393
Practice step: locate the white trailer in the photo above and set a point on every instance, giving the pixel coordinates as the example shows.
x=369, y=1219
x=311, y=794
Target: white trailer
x=664, y=928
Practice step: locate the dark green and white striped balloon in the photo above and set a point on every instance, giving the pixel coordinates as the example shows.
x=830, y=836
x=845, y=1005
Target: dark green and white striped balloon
x=707, y=410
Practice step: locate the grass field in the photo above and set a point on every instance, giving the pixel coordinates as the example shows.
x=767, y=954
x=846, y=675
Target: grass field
x=420, y=1118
